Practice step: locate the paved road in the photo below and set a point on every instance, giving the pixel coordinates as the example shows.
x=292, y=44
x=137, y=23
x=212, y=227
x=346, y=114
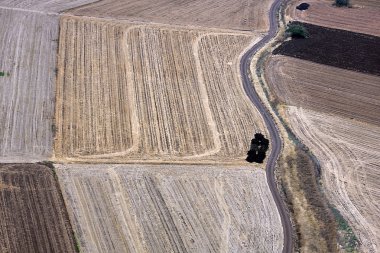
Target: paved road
x=276, y=142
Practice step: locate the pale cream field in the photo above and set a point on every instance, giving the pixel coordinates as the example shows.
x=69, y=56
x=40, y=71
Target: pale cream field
x=323, y=88
x=164, y=208
x=147, y=93
x=364, y=17
x=349, y=154
x=43, y=5
x=28, y=51
x=235, y=14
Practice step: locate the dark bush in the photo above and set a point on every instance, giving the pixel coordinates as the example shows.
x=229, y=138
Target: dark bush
x=259, y=147
x=342, y=3
x=303, y=6
x=297, y=31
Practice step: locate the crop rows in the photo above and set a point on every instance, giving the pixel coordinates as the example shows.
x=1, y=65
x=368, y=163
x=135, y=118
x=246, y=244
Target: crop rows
x=241, y=15
x=326, y=89
x=349, y=155
x=28, y=50
x=147, y=93
x=131, y=208
x=33, y=217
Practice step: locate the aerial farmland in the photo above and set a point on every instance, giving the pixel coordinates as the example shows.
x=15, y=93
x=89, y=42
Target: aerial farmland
x=130, y=126
x=116, y=83
x=326, y=89
x=156, y=107
x=140, y=208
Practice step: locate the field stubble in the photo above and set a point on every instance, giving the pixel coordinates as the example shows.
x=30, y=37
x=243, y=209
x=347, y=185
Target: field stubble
x=240, y=15
x=323, y=88
x=364, y=19
x=140, y=208
x=28, y=50
x=50, y=6
x=142, y=93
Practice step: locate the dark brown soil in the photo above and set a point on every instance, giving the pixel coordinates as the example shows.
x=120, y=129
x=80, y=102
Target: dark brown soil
x=33, y=217
x=338, y=48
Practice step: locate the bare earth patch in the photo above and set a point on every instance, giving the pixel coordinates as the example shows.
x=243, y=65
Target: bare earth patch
x=33, y=217
x=140, y=208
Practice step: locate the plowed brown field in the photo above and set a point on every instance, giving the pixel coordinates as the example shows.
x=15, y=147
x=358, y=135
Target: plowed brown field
x=324, y=88
x=349, y=154
x=33, y=217
x=365, y=19
x=131, y=208
x=241, y=15
x=28, y=50
x=150, y=93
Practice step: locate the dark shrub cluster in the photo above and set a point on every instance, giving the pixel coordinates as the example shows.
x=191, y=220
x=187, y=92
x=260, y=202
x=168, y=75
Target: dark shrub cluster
x=259, y=147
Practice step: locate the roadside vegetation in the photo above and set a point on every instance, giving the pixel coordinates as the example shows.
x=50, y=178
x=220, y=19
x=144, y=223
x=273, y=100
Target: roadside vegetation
x=297, y=173
x=347, y=238
x=314, y=222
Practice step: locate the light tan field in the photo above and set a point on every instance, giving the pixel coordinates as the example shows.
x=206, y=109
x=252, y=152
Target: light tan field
x=363, y=19
x=151, y=93
x=324, y=88
x=133, y=208
x=28, y=51
x=43, y=5
x=235, y=14
x=349, y=154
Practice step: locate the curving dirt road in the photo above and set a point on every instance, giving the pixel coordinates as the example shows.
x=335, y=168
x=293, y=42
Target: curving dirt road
x=270, y=124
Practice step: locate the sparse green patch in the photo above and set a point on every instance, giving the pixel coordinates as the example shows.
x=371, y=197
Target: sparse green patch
x=2, y=73
x=347, y=238
x=76, y=243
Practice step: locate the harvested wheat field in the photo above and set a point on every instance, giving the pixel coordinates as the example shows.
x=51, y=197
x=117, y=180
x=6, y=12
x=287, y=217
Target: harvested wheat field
x=28, y=51
x=164, y=208
x=240, y=15
x=349, y=154
x=146, y=93
x=365, y=19
x=33, y=217
x=324, y=88
x=43, y=5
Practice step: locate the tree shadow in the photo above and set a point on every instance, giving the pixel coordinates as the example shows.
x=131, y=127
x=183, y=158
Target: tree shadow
x=259, y=147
